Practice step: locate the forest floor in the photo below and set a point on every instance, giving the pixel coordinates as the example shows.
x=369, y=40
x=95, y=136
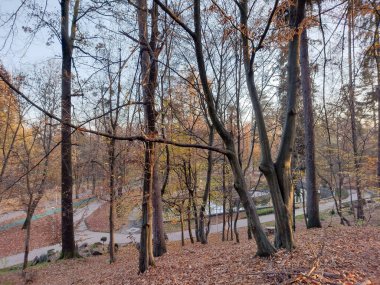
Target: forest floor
x=46, y=231
x=331, y=255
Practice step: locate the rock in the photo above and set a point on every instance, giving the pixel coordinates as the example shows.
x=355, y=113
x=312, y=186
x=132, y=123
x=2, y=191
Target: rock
x=97, y=244
x=270, y=230
x=96, y=253
x=83, y=245
x=52, y=255
x=36, y=260
x=44, y=258
x=85, y=253
x=51, y=252
x=40, y=259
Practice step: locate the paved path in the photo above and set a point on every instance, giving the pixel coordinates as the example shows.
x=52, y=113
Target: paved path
x=83, y=235
x=79, y=207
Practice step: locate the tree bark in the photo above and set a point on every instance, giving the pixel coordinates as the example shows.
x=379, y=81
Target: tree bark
x=182, y=224
x=159, y=244
x=67, y=39
x=189, y=220
x=27, y=241
x=376, y=47
x=236, y=231
x=111, y=154
x=149, y=71
x=146, y=244
x=311, y=187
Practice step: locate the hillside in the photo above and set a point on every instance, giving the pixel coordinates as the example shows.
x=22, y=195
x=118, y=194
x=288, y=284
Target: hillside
x=332, y=255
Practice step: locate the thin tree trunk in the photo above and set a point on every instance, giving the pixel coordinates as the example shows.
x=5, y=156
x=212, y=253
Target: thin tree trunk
x=376, y=47
x=189, y=220
x=378, y=128
x=182, y=226
x=229, y=218
x=224, y=199
x=352, y=108
x=93, y=189
x=236, y=231
x=303, y=206
x=111, y=153
x=209, y=216
x=311, y=187
x=206, y=194
x=195, y=214
x=27, y=241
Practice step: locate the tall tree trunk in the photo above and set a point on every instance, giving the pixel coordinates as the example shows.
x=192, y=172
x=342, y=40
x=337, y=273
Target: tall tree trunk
x=67, y=40
x=283, y=162
x=311, y=187
x=378, y=132
x=149, y=68
x=352, y=109
x=376, y=47
x=111, y=154
x=278, y=175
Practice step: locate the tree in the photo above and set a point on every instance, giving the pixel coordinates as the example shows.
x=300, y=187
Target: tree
x=264, y=247
x=277, y=174
x=36, y=143
x=352, y=110
x=151, y=191
x=311, y=187
x=10, y=123
x=67, y=43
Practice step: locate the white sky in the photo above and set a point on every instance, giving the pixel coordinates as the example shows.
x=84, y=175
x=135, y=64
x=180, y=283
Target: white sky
x=19, y=52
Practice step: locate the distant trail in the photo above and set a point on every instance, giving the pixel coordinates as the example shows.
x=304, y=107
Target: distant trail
x=19, y=222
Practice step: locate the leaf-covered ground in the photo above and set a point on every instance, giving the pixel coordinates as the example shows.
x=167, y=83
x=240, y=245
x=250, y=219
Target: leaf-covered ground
x=44, y=232
x=332, y=255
